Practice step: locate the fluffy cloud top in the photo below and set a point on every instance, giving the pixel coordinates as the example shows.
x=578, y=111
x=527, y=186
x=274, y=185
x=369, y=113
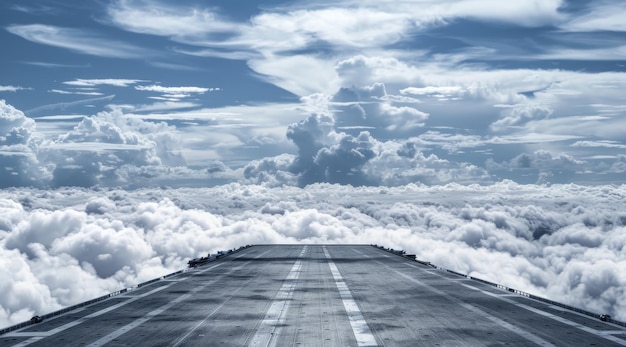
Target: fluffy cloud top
x=18, y=148
x=564, y=242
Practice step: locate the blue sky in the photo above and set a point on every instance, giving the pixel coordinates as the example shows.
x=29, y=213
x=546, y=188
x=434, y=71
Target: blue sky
x=193, y=93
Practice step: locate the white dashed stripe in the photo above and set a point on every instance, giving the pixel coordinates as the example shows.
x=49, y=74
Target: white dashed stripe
x=362, y=332
x=266, y=334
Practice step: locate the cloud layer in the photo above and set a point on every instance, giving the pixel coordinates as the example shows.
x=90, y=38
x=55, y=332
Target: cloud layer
x=564, y=242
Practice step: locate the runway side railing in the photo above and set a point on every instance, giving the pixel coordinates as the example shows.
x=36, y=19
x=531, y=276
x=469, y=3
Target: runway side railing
x=110, y=295
x=512, y=290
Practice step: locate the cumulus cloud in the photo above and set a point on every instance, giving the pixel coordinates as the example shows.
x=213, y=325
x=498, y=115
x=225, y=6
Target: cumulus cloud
x=18, y=148
x=106, y=149
x=564, y=242
x=360, y=137
x=401, y=162
x=368, y=107
x=103, y=143
x=520, y=114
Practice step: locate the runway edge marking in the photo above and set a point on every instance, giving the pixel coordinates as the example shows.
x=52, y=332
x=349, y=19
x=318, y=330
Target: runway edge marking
x=589, y=330
x=137, y=322
x=517, y=330
x=563, y=320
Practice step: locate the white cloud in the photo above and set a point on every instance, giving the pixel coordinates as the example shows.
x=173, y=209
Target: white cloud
x=604, y=143
x=168, y=105
x=527, y=13
x=403, y=118
x=159, y=19
x=116, y=82
x=448, y=91
x=54, y=65
x=349, y=24
x=339, y=29
x=347, y=27
x=593, y=54
x=74, y=92
x=175, y=90
x=301, y=75
x=64, y=105
x=12, y=88
x=517, y=115
x=234, y=135
x=77, y=40
x=175, y=93
x=19, y=144
x=599, y=16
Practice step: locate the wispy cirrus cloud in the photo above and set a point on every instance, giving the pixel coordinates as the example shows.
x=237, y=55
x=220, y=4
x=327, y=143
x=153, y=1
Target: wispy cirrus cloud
x=64, y=105
x=175, y=90
x=13, y=88
x=604, y=15
x=531, y=138
x=74, y=92
x=97, y=147
x=175, y=93
x=603, y=143
x=362, y=24
x=149, y=17
x=173, y=66
x=78, y=40
x=54, y=65
x=166, y=105
x=37, y=10
x=116, y=82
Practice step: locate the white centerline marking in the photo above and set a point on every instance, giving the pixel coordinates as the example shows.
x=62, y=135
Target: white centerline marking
x=362, y=332
x=275, y=317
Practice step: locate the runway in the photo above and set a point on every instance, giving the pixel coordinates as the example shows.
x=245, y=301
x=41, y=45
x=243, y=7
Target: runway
x=317, y=295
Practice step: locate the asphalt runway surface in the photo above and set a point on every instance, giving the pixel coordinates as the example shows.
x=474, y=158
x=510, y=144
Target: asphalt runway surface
x=315, y=295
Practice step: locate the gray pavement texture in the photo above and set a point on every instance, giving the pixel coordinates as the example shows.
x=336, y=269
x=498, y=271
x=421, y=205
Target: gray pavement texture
x=316, y=295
